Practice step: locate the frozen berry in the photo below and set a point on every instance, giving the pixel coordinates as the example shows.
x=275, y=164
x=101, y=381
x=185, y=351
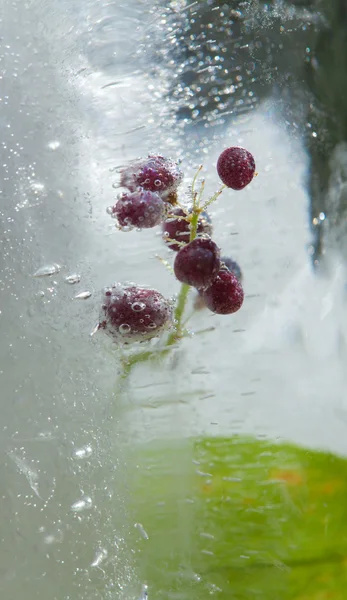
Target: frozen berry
x=228, y=264
x=225, y=295
x=236, y=167
x=198, y=263
x=130, y=313
x=139, y=209
x=177, y=228
x=155, y=173
x=232, y=266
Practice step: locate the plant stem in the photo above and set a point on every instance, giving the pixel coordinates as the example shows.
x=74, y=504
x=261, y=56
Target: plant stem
x=213, y=198
x=179, y=310
x=194, y=224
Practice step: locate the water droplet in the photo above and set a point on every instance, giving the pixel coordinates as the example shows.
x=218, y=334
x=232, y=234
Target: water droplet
x=109, y=210
x=100, y=555
x=124, y=328
x=83, y=452
x=141, y=529
x=83, y=296
x=47, y=270
x=73, y=278
x=138, y=306
x=84, y=503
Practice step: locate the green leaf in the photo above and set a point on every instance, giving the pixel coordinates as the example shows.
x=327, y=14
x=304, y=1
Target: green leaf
x=241, y=519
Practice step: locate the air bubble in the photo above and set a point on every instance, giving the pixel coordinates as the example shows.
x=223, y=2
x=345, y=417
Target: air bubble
x=124, y=328
x=83, y=452
x=144, y=593
x=50, y=539
x=142, y=531
x=83, y=296
x=100, y=556
x=109, y=210
x=157, y=183
x=73, y=278
x=47, y=270
x=95, y=329
x=138, y=306
x=53, y=145
x=151, y=325
x=85, y=503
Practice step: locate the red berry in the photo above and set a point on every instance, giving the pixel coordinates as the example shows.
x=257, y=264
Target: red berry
x=198, y=263
x=140, y=209
x=225, y=295
x=155, y=173
x=130, y=313
x=236, y=167
x=232, y=266
x=177, y=228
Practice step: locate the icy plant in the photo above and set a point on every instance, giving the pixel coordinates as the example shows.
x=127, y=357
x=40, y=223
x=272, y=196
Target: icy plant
x=134, y=313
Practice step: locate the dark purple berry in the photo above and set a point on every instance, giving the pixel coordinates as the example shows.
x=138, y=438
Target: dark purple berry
x=198, y=263
x=225, y=294
x=155, y=173
x=177, y=228
x=232, y=266
x=130, y=313
x=140, y=209
x=236, y=167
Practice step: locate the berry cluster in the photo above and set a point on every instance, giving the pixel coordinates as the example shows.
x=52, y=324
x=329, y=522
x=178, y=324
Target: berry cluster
x=133, y=313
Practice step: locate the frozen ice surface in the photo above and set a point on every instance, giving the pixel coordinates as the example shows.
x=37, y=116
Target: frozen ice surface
x=81, y=99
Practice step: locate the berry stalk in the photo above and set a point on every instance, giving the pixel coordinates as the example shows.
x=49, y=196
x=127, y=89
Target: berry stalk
x=139, y=357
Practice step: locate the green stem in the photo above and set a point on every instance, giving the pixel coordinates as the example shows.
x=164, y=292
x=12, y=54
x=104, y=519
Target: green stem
x=179, y=310
x=214, y=197
x=194, y=224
